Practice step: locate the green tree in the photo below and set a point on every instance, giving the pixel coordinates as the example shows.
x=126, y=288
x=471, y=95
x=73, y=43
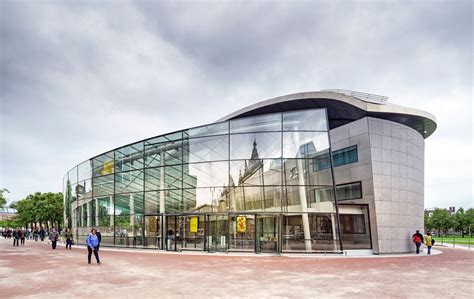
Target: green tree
x=461, y=221
x=3, y=199
x=470, y=220
x=441, y=220
x=40, y=207
x=428, y=222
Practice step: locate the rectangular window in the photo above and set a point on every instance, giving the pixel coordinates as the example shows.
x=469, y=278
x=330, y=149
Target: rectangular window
x=340, y=157
x=352, y=223
x=349, y=191
x=344, y=192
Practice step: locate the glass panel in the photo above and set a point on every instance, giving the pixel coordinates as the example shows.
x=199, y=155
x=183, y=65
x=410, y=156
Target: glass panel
x=261, y=123
x=83, y=189
x=206, y=174
x=128, y=230
x=204, y=200
x=103, y=185
x=345, y=156
x=206, y=149
x=84, y=170
x=255, y=146
x=152, y=202
x=304, y=144
x=127, y=182
x=267, y=233
x=255, y=172
x=129, y=204
x=165, y=138
x=103, y=164
x=255, y=199
x=300, y=172
x=168, y=177
x=72, y=174
x=355, y=232
x=106, y=206
x=242, y=233
x=173, y=201
x=208, y=130
x=302, y=199
x=217, y=235
x=152, y=238
x=322, y=233
x=349, y=191
x=192, y=232
x=160, y=154
x=305, y=120
x=129, y=157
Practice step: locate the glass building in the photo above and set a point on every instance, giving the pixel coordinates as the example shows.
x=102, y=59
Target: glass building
x=256, y=181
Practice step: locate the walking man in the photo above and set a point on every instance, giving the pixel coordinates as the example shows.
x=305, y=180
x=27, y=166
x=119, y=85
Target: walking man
x=69, y=238
x=16, y=237
x=22, y=237
x=417, y=238
x=42, y=233
x=92, y=243
x=53, y=237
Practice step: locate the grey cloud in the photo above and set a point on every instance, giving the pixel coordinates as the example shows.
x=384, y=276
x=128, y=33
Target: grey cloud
x=81, y=78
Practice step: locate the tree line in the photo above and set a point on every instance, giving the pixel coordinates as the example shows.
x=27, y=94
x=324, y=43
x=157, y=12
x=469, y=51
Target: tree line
x=442, y=221
x=43, y=208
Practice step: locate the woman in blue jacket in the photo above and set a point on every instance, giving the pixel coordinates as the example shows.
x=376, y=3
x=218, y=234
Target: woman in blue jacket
x=92, y=243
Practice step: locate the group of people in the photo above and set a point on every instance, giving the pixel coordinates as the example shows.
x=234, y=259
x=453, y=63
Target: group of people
x=418, y=238
x=19, y=235
x=22, y=234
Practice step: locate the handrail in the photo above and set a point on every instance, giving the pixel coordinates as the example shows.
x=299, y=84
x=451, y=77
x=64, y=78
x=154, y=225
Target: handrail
x=378, y=99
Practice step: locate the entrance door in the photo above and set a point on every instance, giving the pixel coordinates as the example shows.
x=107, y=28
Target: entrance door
x=152, y=231
x=171, y=233
x=216, y=233
x=267, y=233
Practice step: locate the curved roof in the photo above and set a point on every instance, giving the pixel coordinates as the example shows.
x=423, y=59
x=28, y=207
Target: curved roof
x=342, y=109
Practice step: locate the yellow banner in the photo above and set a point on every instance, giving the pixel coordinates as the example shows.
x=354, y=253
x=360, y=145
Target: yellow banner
x=152, y=226
x=108, y=168
x=193, y=224
x=241, y=224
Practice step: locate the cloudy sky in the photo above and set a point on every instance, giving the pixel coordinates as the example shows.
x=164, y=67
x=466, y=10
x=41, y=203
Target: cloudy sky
x=78, y=78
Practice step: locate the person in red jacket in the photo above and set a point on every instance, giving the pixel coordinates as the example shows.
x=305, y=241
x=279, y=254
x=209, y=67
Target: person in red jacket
x=417, y=238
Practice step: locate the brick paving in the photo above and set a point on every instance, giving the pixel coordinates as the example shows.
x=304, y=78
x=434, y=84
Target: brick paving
x=36, y=271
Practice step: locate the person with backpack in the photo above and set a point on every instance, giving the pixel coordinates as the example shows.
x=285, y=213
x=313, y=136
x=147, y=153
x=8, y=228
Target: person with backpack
x=429, y=241
x=417, y=238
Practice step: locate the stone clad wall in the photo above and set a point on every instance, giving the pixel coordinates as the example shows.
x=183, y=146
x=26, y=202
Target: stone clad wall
x=397, y=154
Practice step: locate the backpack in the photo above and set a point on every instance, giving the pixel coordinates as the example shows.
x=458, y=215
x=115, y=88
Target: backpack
x=432, y=241
x=417, y=239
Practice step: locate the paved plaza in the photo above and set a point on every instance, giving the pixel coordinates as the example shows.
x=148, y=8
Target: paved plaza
x=36, y=271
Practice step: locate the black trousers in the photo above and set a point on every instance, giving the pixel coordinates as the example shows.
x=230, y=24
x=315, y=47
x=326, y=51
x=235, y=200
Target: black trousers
x=96, y=254
x=53, y=244
x=22, y=240
x=417, y=247
x=15, y=240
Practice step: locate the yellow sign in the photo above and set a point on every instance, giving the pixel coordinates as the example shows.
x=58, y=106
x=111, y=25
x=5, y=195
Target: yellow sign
x=193, y=225
x=152, y=225
x=241, y=224
x=107, y=168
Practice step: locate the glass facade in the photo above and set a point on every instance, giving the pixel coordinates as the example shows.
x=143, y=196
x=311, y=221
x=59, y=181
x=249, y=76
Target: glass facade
x=247, y=184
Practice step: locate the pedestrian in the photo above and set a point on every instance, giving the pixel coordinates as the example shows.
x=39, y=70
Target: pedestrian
x=429, y=241
x=69, y=237
x=99, y=238
x=22, y=237
x=42, y=234
x=16, y=236
x=417, y=238
x=53, y=237
x=92, y=243
x=35, y=234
